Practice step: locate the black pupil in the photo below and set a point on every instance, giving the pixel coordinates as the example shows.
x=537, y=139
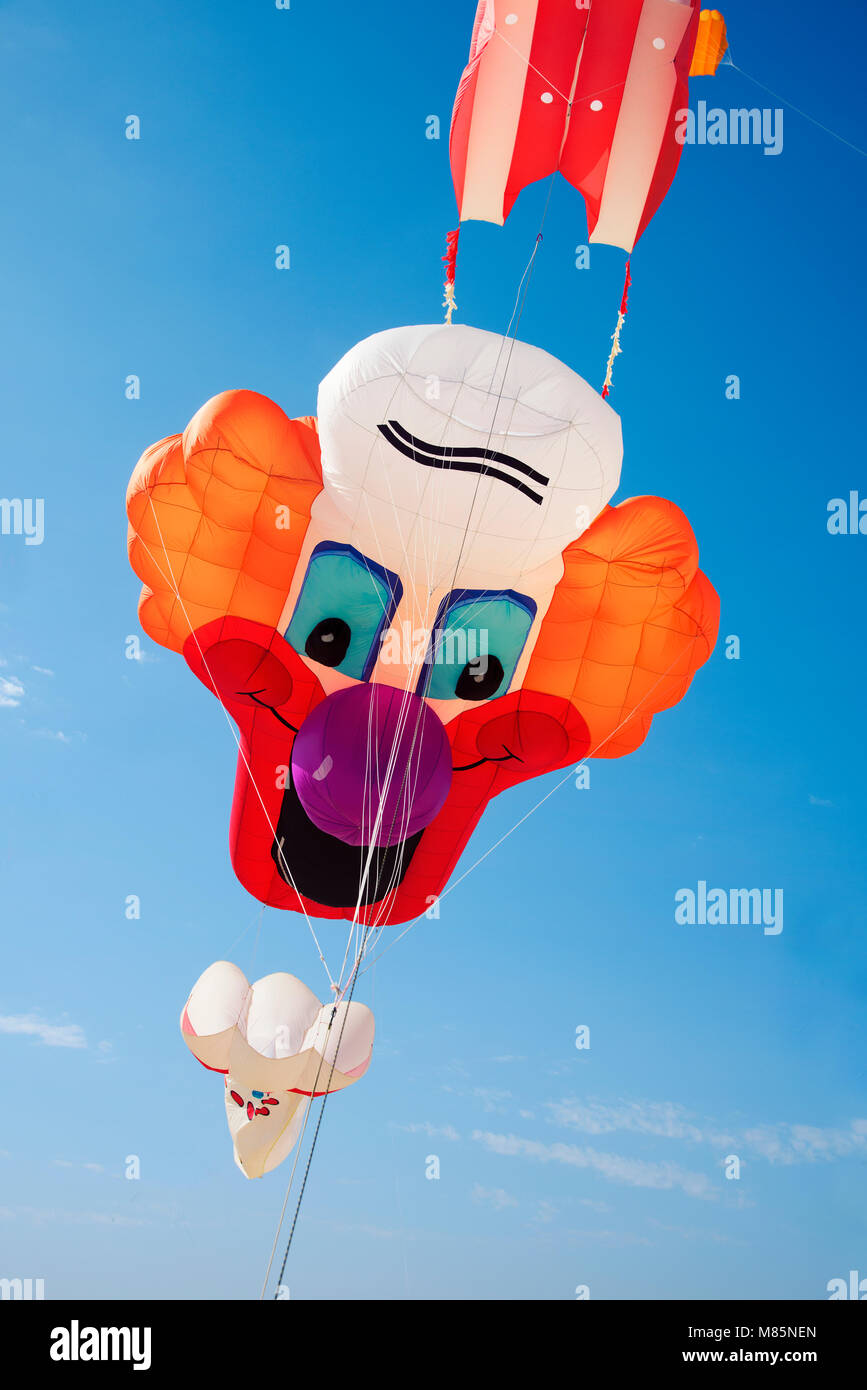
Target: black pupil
x=479, y=678
x=329, y=641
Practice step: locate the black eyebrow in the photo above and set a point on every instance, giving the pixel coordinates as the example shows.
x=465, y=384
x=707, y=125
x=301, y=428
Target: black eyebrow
x=447, y=450
x=460, y=460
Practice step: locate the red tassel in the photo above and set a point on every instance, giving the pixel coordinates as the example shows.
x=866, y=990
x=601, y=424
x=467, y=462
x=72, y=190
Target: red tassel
x=451, y=257
x=615, y=341
x=450, y=261
x=624, y=303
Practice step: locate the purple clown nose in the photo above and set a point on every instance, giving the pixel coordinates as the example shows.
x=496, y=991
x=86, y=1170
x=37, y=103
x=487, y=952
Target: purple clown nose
x=371, y=765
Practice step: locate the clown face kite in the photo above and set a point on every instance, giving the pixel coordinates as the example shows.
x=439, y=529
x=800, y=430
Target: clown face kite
x=411, y=603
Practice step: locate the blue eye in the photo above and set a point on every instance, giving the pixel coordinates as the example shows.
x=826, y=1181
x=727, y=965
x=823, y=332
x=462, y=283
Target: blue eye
x=345, y=603
x=476, y=645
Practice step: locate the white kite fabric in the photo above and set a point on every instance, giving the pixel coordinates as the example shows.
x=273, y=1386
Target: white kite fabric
x=276, y=1045
x=460, y=458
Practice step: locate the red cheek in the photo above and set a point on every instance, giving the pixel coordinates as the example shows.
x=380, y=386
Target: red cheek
x=240, y=669
x=539, y=740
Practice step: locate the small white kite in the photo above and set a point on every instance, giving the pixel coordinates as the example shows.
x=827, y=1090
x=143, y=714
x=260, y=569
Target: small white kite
x=277, y=1046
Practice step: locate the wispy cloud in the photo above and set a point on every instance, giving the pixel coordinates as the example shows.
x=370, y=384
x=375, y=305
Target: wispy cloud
x=498, y=1197
x=601, y=1207
x=785, y=1143
x=776, y=1143
x=664, y=1119
x=545, y=1211
x=633, y=1172
x=491, y=1099
x=432, y=1131
x=11, y=692
x=51, y=1034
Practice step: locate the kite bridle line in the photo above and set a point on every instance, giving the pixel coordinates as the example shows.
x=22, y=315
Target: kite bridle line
x=382, y=908
x=356, y=971
x=591, y=753
x=383, y=904
x=228, y=717
x=374, y=926
x=510, y=338
x=315, y=1133
x=729, y=62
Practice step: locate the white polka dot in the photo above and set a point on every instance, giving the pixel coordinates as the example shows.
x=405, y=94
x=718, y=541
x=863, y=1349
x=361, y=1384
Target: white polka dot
x=511, y=19
x=596, y=106
x=657, y=43
x=547, y=98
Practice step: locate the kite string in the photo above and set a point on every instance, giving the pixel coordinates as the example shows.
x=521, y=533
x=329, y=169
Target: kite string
x=374, y=927
x=400, y=723
x=517, y=312
x=214, y=686
x=240, y=937
x=384, y=786
x=797, y=109
x=511, y=338
x=319, y=1120
x=369, y=926
x=300, y=1145
x=384, y=905
x=570, y=773
x=283, y=1213
x=416, y=661
x=587, y=96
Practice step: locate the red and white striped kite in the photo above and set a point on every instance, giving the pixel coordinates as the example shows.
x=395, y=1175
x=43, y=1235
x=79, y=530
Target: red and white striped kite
x=589, y=87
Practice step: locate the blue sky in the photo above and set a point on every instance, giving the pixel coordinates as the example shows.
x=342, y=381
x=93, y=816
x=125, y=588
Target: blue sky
x=559, y=1167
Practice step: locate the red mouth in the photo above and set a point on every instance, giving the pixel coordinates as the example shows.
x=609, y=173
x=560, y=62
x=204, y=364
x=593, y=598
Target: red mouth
x=285, y=860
